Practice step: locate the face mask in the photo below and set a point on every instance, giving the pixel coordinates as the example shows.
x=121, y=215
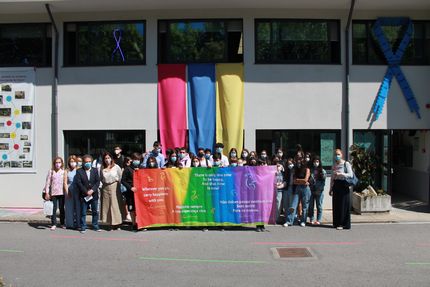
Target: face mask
x=219, y=150
x=201, y=154
x=195, y=164
x=152, y=164
x=72, y=164
x=240, y=164
x=290, y=166
x=181, y=155
x=263, y=155
x=233, y=154
x=136, y=163
x=173, y=158
x=108, y=161
x=87, y=165
x=207, y=156
x=234, y=164
x=79, y=164
x=216, y=163
x=316, y=164
x=307, y=159
x=338, y=157
x=58, y=165
x=244, y=155
x=117, y=151
x=280, y=154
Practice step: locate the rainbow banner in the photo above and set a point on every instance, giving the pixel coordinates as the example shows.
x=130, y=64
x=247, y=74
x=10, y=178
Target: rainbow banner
x=205, y=196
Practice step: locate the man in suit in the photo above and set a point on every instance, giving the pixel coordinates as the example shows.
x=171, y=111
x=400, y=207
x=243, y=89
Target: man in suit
x=88, y=181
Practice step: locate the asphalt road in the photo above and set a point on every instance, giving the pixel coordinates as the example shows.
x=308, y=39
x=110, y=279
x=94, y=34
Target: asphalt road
x=368, y=255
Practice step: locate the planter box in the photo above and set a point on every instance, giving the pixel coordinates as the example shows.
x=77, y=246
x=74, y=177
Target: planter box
x=362, y=204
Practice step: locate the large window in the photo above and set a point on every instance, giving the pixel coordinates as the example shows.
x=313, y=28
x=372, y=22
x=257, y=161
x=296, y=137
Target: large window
x=104, y=43
x=318, y=142
x=297, y=41
x=366, y=50
x=96, y=142
x=200, y=41
x=25, y=45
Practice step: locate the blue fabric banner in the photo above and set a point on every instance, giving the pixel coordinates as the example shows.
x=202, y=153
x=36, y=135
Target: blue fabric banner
x=201, y=106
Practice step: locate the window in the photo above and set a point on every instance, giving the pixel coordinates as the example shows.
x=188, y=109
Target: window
x=297, y=41
x=96, y=142
x=104, y=43
x=318, y=142
x=25, y=45
x=366, y=50
x=200, y=41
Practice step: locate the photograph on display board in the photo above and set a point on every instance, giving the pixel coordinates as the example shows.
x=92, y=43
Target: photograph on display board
x=1, y=124
x=5, y=112
x=16, y=164
x=6, y=88
x=4, y=146
x=22, y=156
x=4, y=135
x=24, y=137
x=26, y=149
x=26, y=125
x=27, y=164
x=20, y=95
x=6, y=164
x=27, y=143
x=27, y=109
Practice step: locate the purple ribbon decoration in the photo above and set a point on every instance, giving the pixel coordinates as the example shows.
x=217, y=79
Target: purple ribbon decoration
x=117, y=41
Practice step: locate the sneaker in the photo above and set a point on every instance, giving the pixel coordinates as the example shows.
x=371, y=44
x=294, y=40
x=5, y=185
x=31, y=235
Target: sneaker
x=53, y=227
x=259, y=229
x=339, y=228
x=317, y=223
x=285, y=225
x=98, y=230
x=83, y=231
x=205, y=229
x=302, y=224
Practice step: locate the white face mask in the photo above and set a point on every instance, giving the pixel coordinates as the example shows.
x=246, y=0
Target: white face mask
x=240, y=164
x=108, y=161
x=117, y=151
x=73, y=164
x=245, y=154
x=307, y=159
x=290, y=166
x=316, y=164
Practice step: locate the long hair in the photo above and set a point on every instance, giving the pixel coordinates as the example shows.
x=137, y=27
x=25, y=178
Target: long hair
x=112, y=163
x=55, y=159
x=70, y=158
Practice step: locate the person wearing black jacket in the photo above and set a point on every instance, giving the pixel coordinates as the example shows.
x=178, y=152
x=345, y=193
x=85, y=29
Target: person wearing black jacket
x=127, y=181
x=88, y=182
x=292, y=198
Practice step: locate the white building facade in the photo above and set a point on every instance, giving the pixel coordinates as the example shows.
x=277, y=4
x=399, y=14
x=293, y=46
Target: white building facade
x=308, y=97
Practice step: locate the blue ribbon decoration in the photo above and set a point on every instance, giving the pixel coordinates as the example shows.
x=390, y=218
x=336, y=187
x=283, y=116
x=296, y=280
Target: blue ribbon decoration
x=118, y=42
x=394, y=60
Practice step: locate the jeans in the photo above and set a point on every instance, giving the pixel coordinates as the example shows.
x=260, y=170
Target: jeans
x=291, y=202
x=58, y=202
x=304, y=193
x=95, y=214
x=279, y=195
x=319, y=202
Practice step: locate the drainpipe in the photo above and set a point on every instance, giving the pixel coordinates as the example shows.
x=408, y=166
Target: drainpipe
x=346, y=105
x=54, y=118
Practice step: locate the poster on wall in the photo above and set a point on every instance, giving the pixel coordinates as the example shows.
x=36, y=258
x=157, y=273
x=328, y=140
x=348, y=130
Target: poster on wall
x=327, y=148
x=17, y=120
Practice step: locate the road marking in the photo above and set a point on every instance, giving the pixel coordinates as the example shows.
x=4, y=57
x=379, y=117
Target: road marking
x=11, y=251
x=202, y=260
x=97, y=238
x=418, y=263
x=309, y=243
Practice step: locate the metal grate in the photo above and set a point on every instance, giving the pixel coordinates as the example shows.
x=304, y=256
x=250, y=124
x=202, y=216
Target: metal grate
x=292, y=253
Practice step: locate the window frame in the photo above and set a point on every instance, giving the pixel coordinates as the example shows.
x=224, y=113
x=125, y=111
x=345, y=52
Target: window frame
x=189, y=20
x=88, y=23
x=368, y=41
x=47, y=53
x=295, y=62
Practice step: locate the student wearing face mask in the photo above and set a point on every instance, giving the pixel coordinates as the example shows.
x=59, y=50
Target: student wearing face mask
x=156, y=153
x=252, y=161
x=172, y=161
x=184, y=158
x=217, y=160
x=151, y=162
x=317, y=182
x=88, y=181
x=244, y=156
x=219, y=147
x=232, y=154
x=308, y=158
x=72, y=200
x=292, y=198
x=339, y=189
x=127, y=181
x=280, y=155
x=54, y=190
x=301, y=181
x=111, y=198
x=204, y=162
x=280, y=188
x=118, y=157
x=195, y=162
x=78, y=162
x=264, y=158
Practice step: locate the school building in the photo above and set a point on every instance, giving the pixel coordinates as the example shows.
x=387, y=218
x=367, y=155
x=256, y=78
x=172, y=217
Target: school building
x=324, y=74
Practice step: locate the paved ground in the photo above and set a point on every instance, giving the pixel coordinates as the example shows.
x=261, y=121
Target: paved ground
x=368, y=255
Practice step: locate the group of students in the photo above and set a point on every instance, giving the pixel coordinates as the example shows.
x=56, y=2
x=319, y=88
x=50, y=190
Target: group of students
x=75, y=187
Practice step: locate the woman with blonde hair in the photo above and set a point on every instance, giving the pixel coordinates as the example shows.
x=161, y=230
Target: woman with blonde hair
x=111, y=198
x=72, y=199
x=54, y=190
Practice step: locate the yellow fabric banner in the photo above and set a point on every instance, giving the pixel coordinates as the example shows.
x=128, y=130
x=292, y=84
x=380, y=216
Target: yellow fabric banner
x=229, y=106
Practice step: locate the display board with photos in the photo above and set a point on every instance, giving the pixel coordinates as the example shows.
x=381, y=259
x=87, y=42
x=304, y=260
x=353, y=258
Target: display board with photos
x=17, y=119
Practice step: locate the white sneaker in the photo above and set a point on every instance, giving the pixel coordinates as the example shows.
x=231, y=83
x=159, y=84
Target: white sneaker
x=302, y=224
x=53, y=227
x=339, y=228
x=285, y=224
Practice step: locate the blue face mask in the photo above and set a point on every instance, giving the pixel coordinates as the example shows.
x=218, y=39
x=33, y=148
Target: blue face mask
x=173, y=158
x=233, y=154
x=219, y=150
x=216, y=163
x=234, y=164
x=136, y=163
x=338, y=157
x=207, y=156
x=87, y=165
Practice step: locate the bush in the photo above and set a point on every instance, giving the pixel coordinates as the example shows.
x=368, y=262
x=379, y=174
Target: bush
x=365, y=165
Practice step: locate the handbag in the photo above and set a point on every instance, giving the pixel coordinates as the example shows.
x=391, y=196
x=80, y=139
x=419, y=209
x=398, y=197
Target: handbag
x=352, y=181
x=123, y=188
x=48, y=207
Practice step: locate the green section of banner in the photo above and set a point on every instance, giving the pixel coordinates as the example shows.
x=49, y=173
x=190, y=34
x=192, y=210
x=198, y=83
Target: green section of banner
x=197, y=206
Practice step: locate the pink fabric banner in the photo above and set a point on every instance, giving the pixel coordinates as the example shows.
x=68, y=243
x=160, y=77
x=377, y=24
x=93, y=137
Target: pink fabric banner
x=172, y=117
